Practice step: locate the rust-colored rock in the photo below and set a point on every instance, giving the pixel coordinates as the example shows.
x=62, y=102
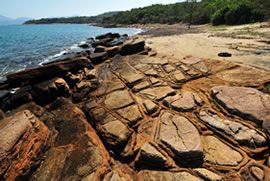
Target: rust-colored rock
x=77, y=151
x=23, y=138
x=47, y=71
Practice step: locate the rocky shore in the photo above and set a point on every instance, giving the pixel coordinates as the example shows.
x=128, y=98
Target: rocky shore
x=126, y=112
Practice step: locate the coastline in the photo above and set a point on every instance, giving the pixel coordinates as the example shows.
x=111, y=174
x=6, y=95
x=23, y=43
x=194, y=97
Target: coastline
x=45, y=51
x=150, y=106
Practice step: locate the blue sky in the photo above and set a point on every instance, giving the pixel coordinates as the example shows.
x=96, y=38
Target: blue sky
x=56, y=8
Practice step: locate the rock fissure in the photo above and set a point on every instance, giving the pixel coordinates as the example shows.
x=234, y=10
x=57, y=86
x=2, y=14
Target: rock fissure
x=148, y=117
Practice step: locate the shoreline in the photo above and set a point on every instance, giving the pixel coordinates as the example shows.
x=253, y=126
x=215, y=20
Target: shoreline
x=136, y=108
x=65, y=51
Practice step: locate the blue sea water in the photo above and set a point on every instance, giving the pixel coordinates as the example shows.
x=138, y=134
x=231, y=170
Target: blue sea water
x=23, y=46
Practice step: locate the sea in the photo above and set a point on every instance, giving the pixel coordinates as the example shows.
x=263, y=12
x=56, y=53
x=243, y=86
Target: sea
x=25, y=46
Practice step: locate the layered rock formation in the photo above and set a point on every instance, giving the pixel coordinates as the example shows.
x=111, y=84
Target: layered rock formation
x=121, y=114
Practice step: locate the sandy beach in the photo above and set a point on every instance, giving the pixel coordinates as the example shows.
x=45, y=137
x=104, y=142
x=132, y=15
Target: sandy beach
x=159, y=106
x=248, y=44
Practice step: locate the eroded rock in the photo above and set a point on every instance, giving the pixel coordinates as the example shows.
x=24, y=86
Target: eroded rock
x=131, y=113
x=77, y=151
x=148, y=175
x=118, y=99
x=184, y=102
x=150, y=107
x=208, y=175
x=149, y=155
x=158, y=93
x=115, y=133
x=196, y=63
x=182, y=138
x=132, y=47
x=21, y=134
x=216, y=152
x=242, y=134
x=47, y=71
x=248, y=103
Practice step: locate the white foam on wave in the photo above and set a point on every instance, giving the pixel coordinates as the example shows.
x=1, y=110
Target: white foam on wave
x=50, y=58
x=138, y=31
x=76, y=46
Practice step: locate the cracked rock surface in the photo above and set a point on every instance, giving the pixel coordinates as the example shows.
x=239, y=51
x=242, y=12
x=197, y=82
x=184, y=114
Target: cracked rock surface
x=129, y=116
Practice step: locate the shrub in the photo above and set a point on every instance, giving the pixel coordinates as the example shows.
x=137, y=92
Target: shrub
x=218, y=17
x=239, y=14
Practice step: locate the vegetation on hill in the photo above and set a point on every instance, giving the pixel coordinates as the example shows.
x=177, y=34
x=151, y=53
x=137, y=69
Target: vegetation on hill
x=76, y=20
x=217, y=12
x=197, y=12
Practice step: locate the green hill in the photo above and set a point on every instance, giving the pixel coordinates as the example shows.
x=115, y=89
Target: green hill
x=75, y=20
x=194, y=12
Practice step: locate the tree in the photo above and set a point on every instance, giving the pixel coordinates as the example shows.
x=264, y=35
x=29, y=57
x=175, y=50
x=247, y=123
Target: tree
x=190, y=7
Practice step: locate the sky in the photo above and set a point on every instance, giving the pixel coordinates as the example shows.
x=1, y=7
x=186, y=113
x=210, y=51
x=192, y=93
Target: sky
x=62, y=8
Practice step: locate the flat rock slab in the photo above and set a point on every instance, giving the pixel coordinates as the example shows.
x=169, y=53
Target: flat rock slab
x=20, y=134
x=77, y=150
x=147, y=175
x=115, y=133
x=149, y=155
x=216, y=152
x=182, y=137
x=131, y=113
x=242, y=134
x=158, y=93
x=150, y=107
x=247, y=103
x=131, y=76
x=196, y=63
x=208, y=175
x=184, y=102
x=118, y=99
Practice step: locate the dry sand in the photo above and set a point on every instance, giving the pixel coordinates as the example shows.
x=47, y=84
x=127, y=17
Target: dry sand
x=248, y=44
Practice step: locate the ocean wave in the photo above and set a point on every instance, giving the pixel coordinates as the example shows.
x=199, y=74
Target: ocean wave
x=75, y=48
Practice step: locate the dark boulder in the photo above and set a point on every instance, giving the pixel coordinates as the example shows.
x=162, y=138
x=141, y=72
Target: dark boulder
x=48, y=91
x=102, y=42
x=2, y=114
x=132, y=47
x=16, y=99
x=100, y=49
x=118, y=41
x=46, y=72
x=108, y=35
x=111, y=51
x=3, y=93
x=97, y=58
x=84, y=45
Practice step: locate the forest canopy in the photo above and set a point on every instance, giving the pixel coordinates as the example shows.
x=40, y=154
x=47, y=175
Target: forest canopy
x=217, y=12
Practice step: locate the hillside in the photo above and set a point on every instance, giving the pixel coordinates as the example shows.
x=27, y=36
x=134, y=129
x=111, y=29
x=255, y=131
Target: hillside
x=75, y=20
x=229, y=12
x=215, y=11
